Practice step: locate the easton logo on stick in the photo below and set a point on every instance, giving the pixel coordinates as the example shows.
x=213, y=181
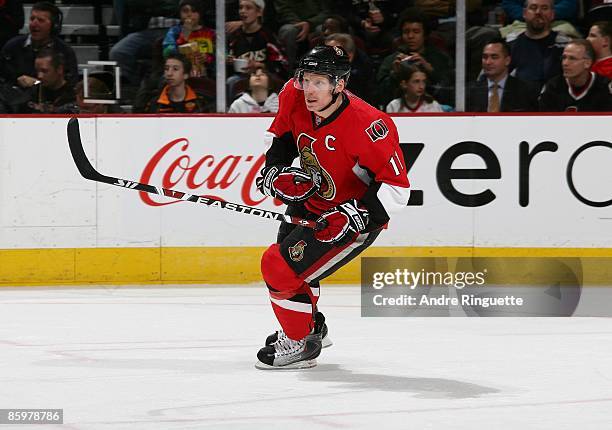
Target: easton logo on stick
x=89, y=172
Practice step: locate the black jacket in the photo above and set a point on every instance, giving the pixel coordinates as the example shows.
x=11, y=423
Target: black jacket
x=18, y=57
x=597, y=97
x=518, y=96
x=11, y=19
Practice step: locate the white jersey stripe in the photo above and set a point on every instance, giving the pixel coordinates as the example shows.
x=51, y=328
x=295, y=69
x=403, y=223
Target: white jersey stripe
x=337, y=258
x=293, y=306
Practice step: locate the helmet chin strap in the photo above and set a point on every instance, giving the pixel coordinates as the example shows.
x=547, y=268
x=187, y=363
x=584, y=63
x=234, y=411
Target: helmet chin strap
x=335, y=96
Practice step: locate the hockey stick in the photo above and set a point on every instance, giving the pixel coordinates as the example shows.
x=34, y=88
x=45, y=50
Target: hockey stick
x=88, y=172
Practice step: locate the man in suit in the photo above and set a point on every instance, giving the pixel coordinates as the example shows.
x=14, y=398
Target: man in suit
x=497, y=91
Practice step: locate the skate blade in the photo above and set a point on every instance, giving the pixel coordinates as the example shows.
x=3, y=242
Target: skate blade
x=304, y=364
x=326, y=342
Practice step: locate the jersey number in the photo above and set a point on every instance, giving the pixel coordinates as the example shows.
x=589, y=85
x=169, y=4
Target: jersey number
x=395, y=162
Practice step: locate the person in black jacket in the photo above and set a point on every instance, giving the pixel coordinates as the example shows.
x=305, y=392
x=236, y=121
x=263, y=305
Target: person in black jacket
x=54, y=94
x=18, y=54
x=11, y=19
x=578, y=89
x=513, y=94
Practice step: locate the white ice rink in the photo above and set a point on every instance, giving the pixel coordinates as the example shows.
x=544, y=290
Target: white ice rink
x=183, y=358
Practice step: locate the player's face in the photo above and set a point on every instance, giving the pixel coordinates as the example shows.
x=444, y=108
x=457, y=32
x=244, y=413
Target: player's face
x=174, y=72
x=597, y=40
x=248, y=12
x=495, y=62
x=317, y=91
x=40, y=25
x=538, y=15
x=574, y=61
x=415, y=86
x=413, y=35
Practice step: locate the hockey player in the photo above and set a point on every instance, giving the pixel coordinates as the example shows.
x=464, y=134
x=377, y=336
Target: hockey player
x=352, y=177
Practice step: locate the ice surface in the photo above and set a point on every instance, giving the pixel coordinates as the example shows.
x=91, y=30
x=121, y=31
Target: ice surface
x=183, y=358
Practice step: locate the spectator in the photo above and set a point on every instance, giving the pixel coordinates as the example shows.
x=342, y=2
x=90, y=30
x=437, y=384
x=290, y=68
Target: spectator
x=259, y=98
x=536, y=53
x=54, y=94
x=298, y=19
x=578, y=89
x=414, y=31
x=497, y=91
x=18, y=54
x=600, y=36
x=362, y=71
x=11, y=19
x=566, y=10
x=565, y=16
x=253, y=43
x=442, y=13
x=97, y=90
x=413, y=80
x=176, y=96
x=144, y=22
x=192, y=39
x=336, y=24
x=373, y=22
x=597, y=10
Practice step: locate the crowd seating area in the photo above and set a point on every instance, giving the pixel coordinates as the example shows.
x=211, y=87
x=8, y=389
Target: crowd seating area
x=520, y=56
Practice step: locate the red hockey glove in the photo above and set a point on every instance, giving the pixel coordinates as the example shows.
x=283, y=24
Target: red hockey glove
x=288, y=184
x=343, y=222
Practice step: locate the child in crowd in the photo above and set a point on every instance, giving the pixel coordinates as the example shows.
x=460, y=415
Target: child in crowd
x=251, y=46
x=192, y=39
x=413, y=81
x=259, y=97
x=176, y=96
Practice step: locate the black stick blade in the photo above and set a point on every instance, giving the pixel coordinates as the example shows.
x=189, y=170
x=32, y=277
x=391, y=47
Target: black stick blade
x=78, y=154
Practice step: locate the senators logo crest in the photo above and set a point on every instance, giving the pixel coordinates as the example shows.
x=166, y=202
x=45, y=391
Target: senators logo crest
x=310, y=163
x=377, y=130
x=296, y=252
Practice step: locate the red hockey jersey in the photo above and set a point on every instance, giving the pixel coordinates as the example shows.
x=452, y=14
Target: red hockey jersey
x=354, y=148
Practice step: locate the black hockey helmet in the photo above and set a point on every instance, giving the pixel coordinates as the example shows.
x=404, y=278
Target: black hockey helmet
x=328, y=60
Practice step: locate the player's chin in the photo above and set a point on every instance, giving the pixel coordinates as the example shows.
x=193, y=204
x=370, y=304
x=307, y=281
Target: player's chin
x=312, y=105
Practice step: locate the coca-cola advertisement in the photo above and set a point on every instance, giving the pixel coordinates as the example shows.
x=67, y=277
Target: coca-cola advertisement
x=207, y=157
x=545, y=179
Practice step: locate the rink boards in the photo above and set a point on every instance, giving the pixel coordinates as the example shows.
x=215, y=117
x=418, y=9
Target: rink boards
x=486, y=186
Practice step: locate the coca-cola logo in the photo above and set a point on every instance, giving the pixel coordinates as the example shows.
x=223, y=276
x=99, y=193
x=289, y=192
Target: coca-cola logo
x=208, y=173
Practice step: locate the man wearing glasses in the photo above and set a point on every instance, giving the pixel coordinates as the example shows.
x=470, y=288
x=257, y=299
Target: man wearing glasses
x=577, y=89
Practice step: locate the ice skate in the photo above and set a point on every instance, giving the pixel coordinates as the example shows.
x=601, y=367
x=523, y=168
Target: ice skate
x=320, y=327
x=287, y=353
